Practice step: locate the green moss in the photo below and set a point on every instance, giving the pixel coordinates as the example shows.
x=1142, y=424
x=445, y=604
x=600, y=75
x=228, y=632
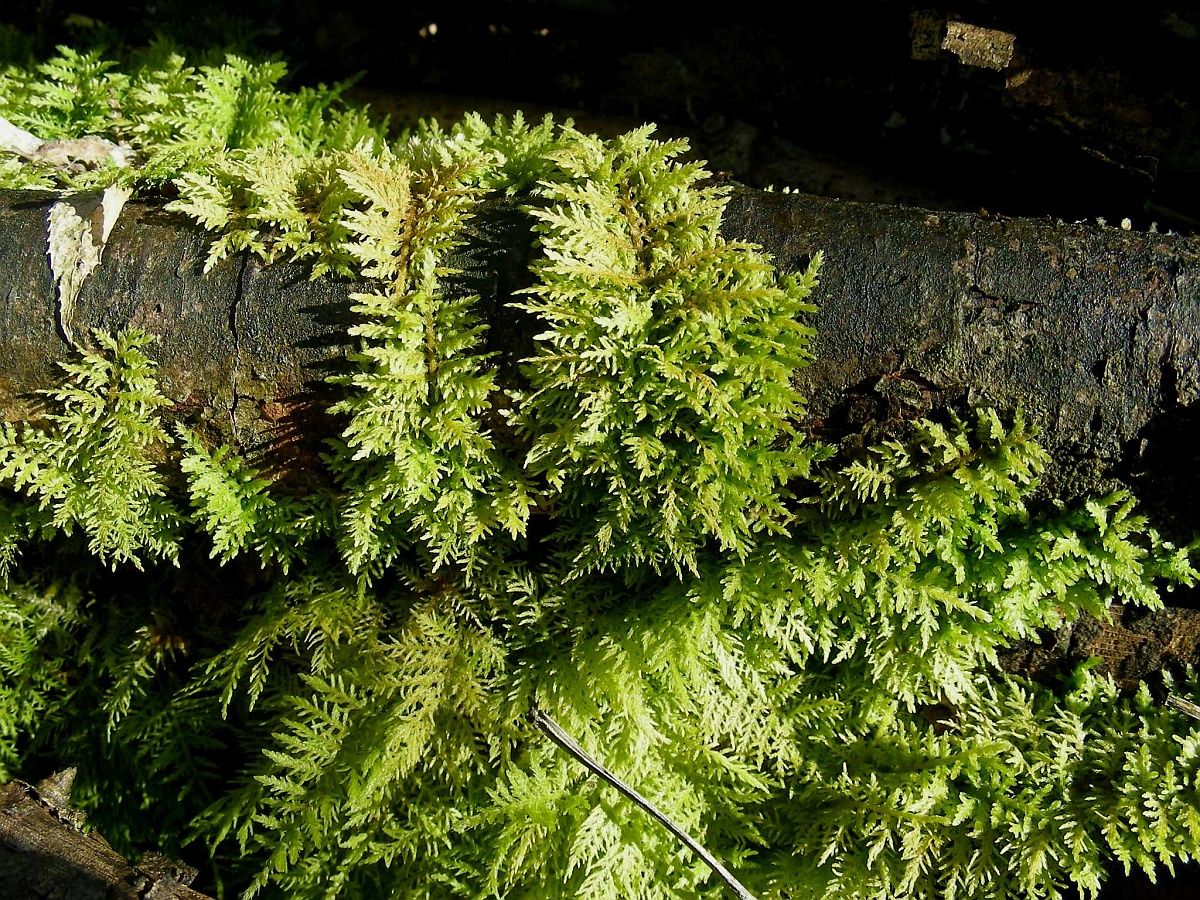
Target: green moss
x=631, y=535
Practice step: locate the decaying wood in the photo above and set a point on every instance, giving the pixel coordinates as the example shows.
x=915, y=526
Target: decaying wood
x=1131, y=645
x=44, y=853
x=1090, y=329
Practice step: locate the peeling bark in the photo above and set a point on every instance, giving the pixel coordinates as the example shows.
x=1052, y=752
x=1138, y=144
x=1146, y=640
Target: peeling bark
x=44, y=854
x=1133, y=645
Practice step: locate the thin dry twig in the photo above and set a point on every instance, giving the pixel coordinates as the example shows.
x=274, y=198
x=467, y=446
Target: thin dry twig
x=554, y=732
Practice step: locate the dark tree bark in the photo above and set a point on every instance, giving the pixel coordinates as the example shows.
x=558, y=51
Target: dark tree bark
x=242, y=349
x=45, y=855
x=1089, y=329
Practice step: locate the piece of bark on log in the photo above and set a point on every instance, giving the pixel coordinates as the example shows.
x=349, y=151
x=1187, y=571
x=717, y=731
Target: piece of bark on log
x=45, y=854
x=1090, y=329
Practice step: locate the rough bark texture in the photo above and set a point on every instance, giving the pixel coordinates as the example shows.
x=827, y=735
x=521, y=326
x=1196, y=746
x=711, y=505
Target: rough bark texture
x=1089, y=329
x=44, y=854
x=239, y=348
x=1135, y=644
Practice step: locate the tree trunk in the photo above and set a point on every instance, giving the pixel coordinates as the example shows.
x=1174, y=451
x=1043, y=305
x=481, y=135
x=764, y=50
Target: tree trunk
x=1089, y=329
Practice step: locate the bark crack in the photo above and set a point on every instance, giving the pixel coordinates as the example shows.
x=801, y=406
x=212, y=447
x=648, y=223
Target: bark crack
x=235, y=371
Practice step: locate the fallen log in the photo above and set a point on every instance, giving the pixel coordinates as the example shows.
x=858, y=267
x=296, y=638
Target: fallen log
x=1088, y=328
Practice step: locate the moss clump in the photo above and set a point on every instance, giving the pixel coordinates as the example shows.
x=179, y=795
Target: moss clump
x=631, y=536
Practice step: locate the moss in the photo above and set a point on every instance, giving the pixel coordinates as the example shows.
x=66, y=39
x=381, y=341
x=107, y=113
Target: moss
x=623, y=529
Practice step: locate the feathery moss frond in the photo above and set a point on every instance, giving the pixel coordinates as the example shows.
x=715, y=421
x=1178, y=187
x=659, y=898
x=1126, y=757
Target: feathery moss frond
x=660, y=411
x=92, y=468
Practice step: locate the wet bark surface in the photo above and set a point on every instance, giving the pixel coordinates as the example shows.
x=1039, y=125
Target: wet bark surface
x=1089, y=330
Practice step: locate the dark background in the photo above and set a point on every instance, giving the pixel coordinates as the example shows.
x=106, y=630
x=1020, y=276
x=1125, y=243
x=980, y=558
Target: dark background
x=1095, y=116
